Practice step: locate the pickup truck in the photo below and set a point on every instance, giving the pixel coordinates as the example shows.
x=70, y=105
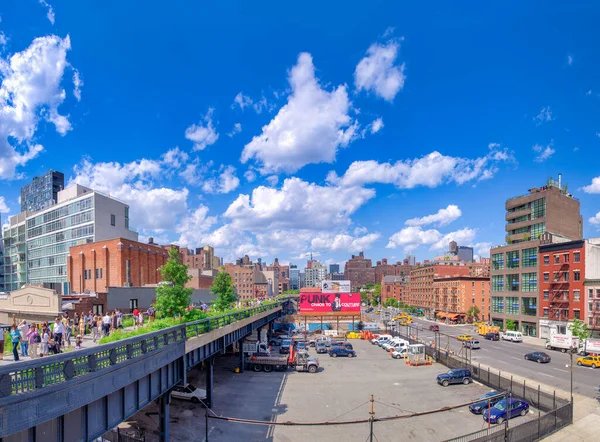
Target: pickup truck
x=301, y=362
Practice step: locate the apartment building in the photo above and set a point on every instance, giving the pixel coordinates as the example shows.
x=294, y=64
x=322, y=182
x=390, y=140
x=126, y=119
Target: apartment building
x=37, y=244
x=454, y=296
x=514, y=266
x=394, y=287
x=42, y=192
x=314, y=273
x=421, y=292
x=359, y=271
x=249, y=282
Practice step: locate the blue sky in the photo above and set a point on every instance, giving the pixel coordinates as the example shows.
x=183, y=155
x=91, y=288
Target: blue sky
x=278, y=129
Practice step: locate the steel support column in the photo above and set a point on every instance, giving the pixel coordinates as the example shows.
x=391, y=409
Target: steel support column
x=242, y=361
x=163, y=416
x=208, y=366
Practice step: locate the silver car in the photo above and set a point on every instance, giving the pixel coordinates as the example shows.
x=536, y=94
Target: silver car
x=473, y=344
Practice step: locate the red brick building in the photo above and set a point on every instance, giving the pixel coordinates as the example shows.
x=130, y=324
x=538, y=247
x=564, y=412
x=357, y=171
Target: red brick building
x=359, y=271
x=115, y=262
x=393, y=287
x=420, y=286
x=454, y=296
x=561, y=285
x=382, y=268
x=282, y=273
x=249, y=282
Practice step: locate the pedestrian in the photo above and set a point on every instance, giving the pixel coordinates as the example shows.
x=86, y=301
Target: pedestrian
x=24, y=329
x=151, y=314
x=81, y=328
x=114, y=320
x=57, y=334
x=136, y=313
x=1, y=343
x=99, y=328
x=34, y=340
x=78, y=341
x=94, y=328
x=68, y=333
x=106, y=324
x=76, y=320
x=119, y=319
x=15, y=337
x=88, y=321
x=44, y=342
x=141, y=318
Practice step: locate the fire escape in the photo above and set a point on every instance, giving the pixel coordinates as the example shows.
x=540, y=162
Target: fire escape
x=559, y=294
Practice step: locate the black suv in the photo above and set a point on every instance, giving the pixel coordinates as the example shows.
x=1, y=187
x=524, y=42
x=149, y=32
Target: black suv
x=492, y=336
x=456, y=376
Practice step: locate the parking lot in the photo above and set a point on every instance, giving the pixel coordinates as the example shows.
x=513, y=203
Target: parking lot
x=340, y=391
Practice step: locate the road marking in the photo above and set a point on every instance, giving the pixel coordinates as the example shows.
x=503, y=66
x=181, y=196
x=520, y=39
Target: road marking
x=518, y=359
x=560, y=369
x=544, y=374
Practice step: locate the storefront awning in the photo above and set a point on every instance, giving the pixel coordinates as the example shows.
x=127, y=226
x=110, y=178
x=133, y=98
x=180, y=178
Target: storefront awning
x=441, y=315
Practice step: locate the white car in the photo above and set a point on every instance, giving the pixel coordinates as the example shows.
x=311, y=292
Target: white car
x=189, y=393
x=400, y=353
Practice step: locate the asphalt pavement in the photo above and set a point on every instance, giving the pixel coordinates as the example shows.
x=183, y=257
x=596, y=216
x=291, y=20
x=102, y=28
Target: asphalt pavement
x=509, y=356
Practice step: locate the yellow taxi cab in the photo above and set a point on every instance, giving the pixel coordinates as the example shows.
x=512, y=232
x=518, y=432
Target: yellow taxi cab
x=464, y=337
x=589, y=361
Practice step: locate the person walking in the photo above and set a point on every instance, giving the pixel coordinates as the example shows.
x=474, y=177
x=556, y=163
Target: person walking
x=106, y=324
x=15, y=337
x=24, y=329
x=58, y=332
x=136, y=313
x=1, y=344
x=141, y=318
x=68, y=333
x=94, y=328
x=151, y=314
x=81, y=327
x=44, y=342
x=34, y=341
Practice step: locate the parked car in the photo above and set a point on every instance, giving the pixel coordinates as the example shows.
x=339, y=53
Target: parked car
x=321, y=347
x=301, y=345
x=341, y=344
x=464, y=337
x=456, y=376
x=434, y=327
x=513, y=336
x=400, y=353
x=473, y=345
x=188, y=393
x=341, y=351
x=479, y=407
x=505, y=409
x=385, y=341
x=589, y=361
x=492, y=336
x=538, y=356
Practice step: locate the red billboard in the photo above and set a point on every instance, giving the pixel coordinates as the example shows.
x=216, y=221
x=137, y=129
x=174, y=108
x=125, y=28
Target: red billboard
x=319, y=304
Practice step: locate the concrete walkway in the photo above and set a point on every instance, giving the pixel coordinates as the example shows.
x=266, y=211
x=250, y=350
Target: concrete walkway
x=87, y=343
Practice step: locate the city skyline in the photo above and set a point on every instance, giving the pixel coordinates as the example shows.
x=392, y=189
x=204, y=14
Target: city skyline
x=416, y=139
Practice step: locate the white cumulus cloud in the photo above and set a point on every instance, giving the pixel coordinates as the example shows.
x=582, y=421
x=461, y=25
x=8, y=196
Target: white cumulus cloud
x=203, y=135
x=237, y=128
x=595, y=220
x=462, y=236
x=378, y=73
x=594, y=187
x=544, y=116
x=49, y=10
x=344, y=242
x=30, y=89
x=226, y=182
x=3, y=206
x=77, y=84
x=241, y=101
x=308, y=129
x=412, y=237
x=441, y=218
x=544, y=152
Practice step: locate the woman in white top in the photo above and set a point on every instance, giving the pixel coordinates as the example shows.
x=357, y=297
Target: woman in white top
x=44, y=343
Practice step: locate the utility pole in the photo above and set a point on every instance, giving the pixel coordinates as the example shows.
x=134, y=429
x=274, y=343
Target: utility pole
x=371, y=417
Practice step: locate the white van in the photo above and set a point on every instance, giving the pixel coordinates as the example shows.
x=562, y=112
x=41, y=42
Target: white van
x=396, y=345
x=513, y=336
x=380, y=338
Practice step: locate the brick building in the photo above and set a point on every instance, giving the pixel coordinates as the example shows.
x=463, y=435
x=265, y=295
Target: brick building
x=420, y=285
x=393, y=287
x=115, y=262
x=282, y=274
x=359, y=271
x=454, y=296
x=199, y=281
x=382, y=268
x=249, y=282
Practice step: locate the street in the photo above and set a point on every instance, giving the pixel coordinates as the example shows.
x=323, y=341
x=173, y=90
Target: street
x=509, y=356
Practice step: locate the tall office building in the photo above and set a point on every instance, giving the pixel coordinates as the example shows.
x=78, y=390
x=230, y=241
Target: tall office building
x=465, y=253
x=334, y=268
x=315, y=272
x=37, y=244
x=411, y=260
x=515, y=266
x=42, y=192
x=294, y=277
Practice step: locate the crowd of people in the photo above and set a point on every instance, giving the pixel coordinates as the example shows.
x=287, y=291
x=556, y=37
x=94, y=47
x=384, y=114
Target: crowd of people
x=43, y=339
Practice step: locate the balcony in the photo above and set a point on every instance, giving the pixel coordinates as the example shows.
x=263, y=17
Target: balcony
x=517, y=237
x=517, y=214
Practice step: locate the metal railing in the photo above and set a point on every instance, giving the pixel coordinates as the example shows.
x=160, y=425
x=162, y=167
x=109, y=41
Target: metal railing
x=28, y=376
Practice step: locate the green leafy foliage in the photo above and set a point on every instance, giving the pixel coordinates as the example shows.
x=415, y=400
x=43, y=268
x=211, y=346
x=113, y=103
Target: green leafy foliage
x=579, y=329
x=172, y=298
x=511, y=324
x=473, y=312
x=390, y=302
x=223, y=288
x=291, y=292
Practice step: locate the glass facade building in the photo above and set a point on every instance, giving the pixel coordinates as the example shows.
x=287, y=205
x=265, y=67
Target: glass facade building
x=42, y=192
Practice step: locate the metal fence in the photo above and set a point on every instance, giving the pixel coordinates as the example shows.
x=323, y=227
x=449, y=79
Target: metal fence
x=558, y=411
x=28, y=376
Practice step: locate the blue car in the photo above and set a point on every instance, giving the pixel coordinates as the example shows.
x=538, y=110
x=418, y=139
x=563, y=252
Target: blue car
x=485, y=403
x=341, y=351
x=505, y=409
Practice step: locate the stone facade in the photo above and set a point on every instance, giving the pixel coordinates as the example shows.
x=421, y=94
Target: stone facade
x=32, y=303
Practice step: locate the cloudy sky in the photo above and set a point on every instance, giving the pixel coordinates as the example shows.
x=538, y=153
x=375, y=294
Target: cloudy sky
x=325, y=127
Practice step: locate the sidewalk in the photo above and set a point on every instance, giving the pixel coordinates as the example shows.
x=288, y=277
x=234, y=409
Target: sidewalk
x=586, y=422
x=87, y=343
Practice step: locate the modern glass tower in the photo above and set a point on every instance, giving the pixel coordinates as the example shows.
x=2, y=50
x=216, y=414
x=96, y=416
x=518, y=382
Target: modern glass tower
x=42, y=192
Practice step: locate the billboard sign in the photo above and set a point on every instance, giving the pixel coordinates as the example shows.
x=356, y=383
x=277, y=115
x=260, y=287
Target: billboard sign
x=335, y=286
x=337, y=304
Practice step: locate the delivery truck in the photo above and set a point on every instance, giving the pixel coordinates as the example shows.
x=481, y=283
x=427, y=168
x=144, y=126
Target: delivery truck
x=562, y=342
x=251, y=347
x=590, y=346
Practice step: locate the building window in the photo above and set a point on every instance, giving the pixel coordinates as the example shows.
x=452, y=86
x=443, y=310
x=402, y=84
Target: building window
x=565, y=276
x=546, y=295
x=529, y=307
x=537, y=230
x=597, y=293
x=512, y=306
x=113, y=220
x=498, y=261
x=529, y=282
x=98, y=309
x=497, y=304
x=512, y=283
x=566, y=257
x=126, y=217
x=133, y=304
x=97, y=274
x=497, y=283
x=556, y=259
x=538, y=208
x=576, y=256
x=546, y=260
x=546, y=277
x=577, y=314
x=545, y=312
x=530, y=257
x=512, y=260
x=576, y=276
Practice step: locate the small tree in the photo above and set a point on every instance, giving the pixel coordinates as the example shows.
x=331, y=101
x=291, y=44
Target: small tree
x=223, y=288
x=579, y=329
x=364, y=298
x=511, y=324
x=473, y=313
x=291, y=292
x=172, y=298
x=390, y=302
